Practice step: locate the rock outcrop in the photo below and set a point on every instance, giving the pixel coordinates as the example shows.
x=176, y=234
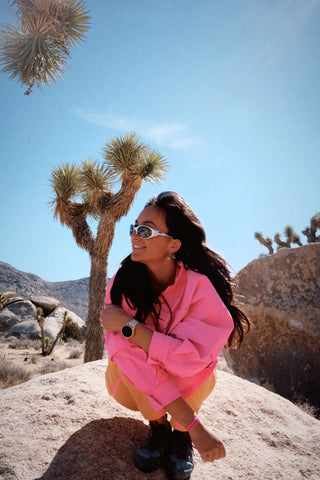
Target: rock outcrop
x=281, y=295
x=72, y=294
x=48, y=304
x=65, y=426
x=18, y=317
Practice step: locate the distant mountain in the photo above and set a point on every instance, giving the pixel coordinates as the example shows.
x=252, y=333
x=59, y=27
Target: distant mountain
x=72, y=294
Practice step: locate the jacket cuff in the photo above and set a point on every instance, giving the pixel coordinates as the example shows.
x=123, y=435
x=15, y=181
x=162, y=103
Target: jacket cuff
x=164, y=394
x=159, y=349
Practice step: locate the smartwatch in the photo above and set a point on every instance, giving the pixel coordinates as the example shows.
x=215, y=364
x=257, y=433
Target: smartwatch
x=128, y=329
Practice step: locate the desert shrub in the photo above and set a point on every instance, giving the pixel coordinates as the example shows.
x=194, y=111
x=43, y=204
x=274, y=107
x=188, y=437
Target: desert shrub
x=308, y=408
x=24, y=343
x=72, y=330
x=3, y=300
x=75, y=354
x=52, y=367
x=11, y=375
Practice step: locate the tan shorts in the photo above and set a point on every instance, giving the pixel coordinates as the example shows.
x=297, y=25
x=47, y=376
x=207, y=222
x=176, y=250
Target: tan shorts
x=130, y=397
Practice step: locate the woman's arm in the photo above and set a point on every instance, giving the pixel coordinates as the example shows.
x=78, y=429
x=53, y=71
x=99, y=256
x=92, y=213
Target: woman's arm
x=113, y=318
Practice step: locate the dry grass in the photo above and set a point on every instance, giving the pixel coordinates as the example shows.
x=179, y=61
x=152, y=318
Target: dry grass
x=24, y=343
x=21, y=359
x=51, y=367
x=11, y=375
x=75, y=354
x=308, y=408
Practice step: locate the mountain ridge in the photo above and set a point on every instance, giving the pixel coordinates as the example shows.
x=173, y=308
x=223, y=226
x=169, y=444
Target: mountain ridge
x=73, y=294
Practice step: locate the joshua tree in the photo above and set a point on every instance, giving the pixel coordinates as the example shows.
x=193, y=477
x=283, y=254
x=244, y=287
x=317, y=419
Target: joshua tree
x=37, y=49
x=46, y=349
x=279, y=242
x=125, y=159
x=40, y=319
x=266, y=242
x=291, y=237
x=311, y=231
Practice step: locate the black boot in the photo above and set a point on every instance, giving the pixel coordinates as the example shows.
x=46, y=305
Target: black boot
x=150, y=455
x=180, y=456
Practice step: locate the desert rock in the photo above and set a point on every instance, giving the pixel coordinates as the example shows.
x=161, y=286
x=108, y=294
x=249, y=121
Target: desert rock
x=281, y=295
x=65, y=426
x=48, y=304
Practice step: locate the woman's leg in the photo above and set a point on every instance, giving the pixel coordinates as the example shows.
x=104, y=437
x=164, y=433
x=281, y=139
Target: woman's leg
x=179, y=463
x=150, y=455
x=196, y=399
x=129, y=396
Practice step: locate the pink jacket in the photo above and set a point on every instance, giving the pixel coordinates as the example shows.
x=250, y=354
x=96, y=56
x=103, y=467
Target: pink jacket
x=183, y=352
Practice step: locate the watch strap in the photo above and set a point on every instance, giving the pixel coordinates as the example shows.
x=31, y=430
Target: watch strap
x=133, y=323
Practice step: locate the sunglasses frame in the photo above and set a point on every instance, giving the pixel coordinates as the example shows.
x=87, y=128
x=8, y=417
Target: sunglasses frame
x=154, y=232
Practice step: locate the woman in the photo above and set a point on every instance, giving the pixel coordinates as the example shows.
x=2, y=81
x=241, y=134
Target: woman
x=167, y=316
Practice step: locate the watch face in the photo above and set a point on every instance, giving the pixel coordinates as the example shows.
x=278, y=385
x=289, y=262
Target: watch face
x=126, y=331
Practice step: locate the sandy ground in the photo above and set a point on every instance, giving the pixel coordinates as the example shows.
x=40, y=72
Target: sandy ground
x=65, y=426
x=27, y=356
x=26, y=360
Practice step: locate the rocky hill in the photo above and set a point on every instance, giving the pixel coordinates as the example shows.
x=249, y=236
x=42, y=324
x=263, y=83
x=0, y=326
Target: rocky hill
x=280, y=293
x=72, y=294
x=65, y=426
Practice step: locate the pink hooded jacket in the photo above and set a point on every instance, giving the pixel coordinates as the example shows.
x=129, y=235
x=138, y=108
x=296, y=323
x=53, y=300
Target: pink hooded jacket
x=184, y=347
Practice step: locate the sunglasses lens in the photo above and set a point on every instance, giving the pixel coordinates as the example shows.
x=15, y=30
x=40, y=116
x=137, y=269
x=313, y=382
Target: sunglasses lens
x=131, y=229
x=144, y=232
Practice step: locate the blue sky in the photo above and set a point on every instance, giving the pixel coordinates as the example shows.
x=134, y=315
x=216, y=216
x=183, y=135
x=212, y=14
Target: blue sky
x=227, y=91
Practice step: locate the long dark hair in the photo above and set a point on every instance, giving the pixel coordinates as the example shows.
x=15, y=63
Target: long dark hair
x=133, y=282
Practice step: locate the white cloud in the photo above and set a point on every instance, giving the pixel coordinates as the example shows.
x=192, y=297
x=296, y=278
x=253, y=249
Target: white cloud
x=174, y=135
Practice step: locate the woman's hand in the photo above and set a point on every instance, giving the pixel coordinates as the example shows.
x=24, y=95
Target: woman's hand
x=113, y=317
x=207, y=443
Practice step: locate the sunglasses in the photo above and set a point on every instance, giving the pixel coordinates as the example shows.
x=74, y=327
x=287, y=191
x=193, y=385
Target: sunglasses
x=143, y=231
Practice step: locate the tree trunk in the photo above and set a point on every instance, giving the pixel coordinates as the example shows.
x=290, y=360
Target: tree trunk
x=119, y=206
x=97, y=288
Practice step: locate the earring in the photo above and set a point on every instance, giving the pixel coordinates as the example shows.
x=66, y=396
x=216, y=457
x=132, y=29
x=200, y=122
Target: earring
x=168, y=257
x=173, y=256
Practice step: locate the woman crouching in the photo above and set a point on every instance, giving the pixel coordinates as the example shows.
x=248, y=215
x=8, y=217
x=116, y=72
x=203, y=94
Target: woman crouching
x=167, y=316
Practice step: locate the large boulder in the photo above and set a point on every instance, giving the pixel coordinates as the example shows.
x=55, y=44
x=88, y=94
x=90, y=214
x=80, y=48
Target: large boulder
x=280, y=294
x=65, y=426
x=48, y=304
x=19, y=319
x=53, y=322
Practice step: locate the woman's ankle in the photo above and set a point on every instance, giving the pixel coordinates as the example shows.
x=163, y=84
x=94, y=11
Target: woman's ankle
x=161, y=421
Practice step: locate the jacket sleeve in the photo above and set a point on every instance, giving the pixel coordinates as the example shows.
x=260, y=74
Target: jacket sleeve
x=196, y=341
x=152, y=380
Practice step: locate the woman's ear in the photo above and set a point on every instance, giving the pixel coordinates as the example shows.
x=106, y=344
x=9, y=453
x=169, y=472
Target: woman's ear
x=175, y=245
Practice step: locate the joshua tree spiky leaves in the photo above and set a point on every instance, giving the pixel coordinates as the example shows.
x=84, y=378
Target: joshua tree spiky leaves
x=266, y=242
x=291, y=237
x=279, y=242
x=311, y=231
x=84, y=191
x=36, y=50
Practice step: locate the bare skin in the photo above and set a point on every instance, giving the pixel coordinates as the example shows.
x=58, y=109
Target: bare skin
x=154, y=254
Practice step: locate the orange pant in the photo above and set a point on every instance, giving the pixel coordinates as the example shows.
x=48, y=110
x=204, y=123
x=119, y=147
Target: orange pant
x=130, y=397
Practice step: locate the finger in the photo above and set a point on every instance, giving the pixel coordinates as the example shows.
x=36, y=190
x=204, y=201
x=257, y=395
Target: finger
x=219, y=454
x=222, y=450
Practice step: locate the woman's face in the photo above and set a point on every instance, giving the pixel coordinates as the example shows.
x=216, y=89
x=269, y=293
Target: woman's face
x=152, y=251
